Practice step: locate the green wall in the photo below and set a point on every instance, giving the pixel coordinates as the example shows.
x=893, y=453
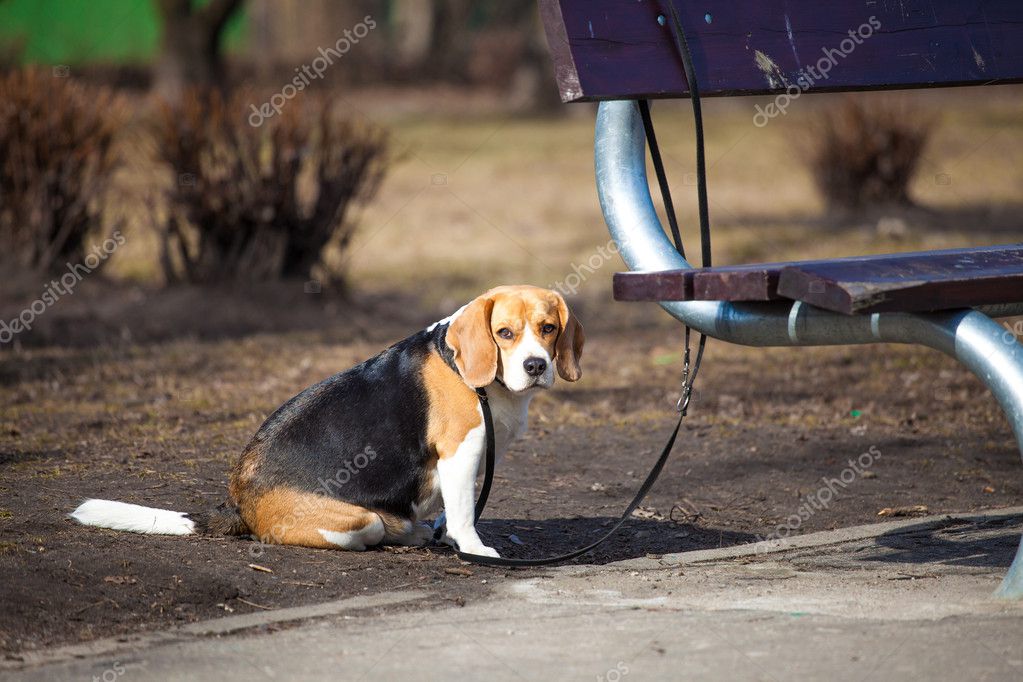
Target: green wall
x=87, y=31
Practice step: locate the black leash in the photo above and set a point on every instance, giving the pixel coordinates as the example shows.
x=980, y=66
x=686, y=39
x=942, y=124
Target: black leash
x=640, y=494
x=488, y=475
x=682, y=45
x=688, y=377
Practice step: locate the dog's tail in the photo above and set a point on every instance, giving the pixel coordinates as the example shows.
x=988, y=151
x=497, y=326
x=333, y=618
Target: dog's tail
x=224, y=520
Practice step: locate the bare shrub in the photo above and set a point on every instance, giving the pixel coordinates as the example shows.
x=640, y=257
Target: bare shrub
x=252, y=203
x=864, y=153
x=56, y=162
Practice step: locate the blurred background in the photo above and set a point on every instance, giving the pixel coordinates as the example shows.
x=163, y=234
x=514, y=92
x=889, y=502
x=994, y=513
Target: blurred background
x=348, y=153
x=239, y=141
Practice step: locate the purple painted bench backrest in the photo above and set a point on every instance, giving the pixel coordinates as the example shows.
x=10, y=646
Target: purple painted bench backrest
x=616, y=49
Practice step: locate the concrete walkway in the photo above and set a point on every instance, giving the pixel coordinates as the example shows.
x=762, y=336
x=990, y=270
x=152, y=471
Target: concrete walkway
x=910, y=600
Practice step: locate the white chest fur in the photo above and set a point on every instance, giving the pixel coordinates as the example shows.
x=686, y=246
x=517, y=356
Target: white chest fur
x=510, y=412
x=457, y=473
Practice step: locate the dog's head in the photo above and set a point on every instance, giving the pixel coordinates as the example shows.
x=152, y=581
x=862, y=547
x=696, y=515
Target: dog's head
x=516, y=334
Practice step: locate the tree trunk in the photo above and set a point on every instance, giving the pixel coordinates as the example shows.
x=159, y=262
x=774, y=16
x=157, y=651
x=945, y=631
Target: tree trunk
x=449, y=46
x=190, y=45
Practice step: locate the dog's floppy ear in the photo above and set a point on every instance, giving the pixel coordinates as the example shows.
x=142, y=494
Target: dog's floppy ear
x=473, y=344
x=569, y=347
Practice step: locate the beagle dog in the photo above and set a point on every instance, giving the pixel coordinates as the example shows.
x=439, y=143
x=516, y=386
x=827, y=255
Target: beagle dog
x=365, y=456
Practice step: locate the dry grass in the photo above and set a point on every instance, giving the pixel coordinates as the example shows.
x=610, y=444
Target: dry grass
x=518, y=201
x=256, y=203
x=864, y=154
x=57, y=140
x=487, y=198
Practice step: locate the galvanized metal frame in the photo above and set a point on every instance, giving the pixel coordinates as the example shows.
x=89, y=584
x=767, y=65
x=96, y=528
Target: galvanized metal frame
x=971, y=336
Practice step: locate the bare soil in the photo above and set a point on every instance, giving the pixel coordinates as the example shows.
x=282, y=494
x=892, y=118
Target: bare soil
x=146, y=396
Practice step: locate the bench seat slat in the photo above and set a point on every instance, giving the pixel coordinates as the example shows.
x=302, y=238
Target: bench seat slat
x=936, y=282
x=928, y=280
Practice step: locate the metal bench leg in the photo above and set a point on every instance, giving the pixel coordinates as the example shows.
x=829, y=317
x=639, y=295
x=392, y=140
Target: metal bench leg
x=1012, y=583
x=987, y=349
x=992, y=353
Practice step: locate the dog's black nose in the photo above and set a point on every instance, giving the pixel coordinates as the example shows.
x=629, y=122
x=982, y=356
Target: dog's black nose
x=534, y=366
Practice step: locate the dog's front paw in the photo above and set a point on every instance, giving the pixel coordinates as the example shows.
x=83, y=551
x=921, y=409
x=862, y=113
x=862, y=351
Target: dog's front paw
x=483, y=550
x=469, y=543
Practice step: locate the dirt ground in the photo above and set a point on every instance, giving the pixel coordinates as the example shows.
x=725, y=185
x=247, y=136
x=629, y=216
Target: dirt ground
x=159, y=424
x=132, y=392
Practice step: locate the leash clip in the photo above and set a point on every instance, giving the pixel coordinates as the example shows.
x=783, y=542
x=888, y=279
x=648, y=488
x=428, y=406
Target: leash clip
x=682, y=406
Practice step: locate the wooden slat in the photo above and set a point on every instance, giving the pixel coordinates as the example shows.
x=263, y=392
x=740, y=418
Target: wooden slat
x=737, y=283
x=757, y=282
x=666, y=285
x=753, y=282
x=908, y=283
x=926, y=280
x=614, y=49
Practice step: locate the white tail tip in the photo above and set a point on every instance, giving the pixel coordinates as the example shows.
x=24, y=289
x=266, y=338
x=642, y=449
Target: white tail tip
x=133, y=518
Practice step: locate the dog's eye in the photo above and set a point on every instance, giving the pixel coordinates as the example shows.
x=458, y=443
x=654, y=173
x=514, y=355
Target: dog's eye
x=547, y=329
x=505, y=333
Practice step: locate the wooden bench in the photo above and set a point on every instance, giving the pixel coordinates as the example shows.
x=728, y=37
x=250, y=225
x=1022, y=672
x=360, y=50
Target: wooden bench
x=617, y=52
x=909, y=282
